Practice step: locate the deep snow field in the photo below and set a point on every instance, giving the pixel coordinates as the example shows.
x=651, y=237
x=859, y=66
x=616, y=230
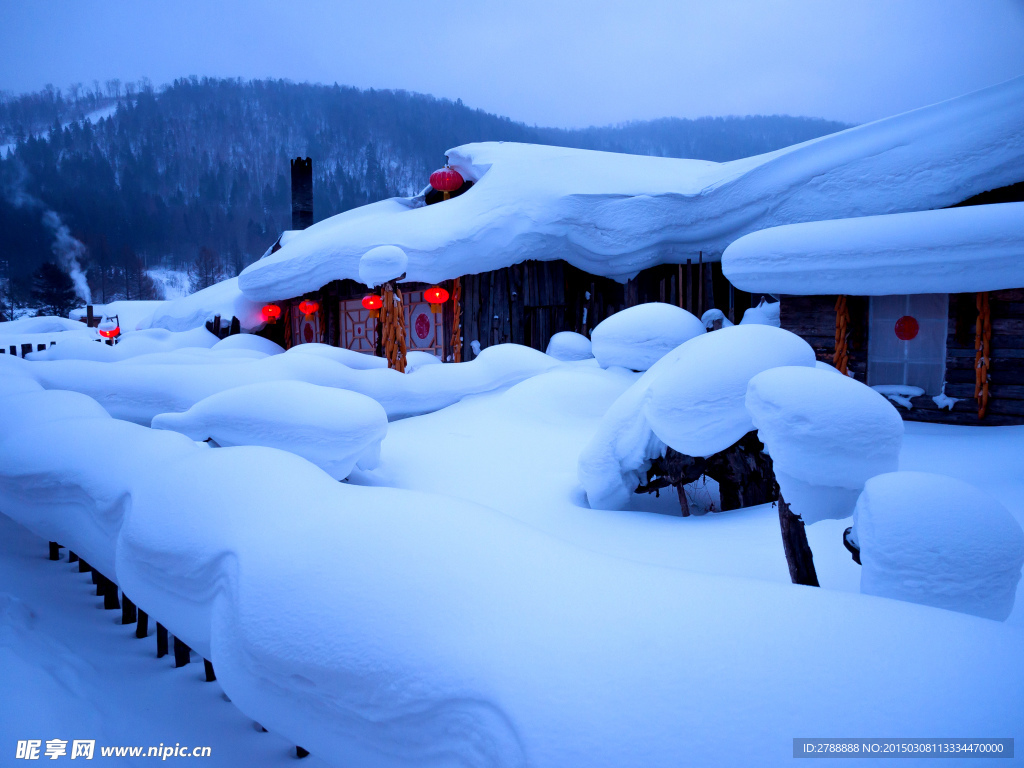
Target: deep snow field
x=455, y=601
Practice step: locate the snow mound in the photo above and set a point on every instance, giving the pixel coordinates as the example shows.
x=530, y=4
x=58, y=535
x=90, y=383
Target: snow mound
x=43, y=324
x=955, y=250
x=417, y=359
x=765, y=313
x=827, y=435
x=695, y=404
x=713, y=316
x=615, y=214
x=248, y=341
x=335, y=429
x=132, y=344
x=637, y=337
x=691, y=399
x=382, y=264
x=359, y=361
x=568, y=346
x=224, y=299
x=938, y=541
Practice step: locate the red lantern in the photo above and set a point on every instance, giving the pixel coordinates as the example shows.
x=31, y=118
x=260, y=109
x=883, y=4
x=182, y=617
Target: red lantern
x=907, y=328
x=373, y=303
x=271, y=312
x=436, y=297
x=446, y=180
x=110, y=333
x=307, y=307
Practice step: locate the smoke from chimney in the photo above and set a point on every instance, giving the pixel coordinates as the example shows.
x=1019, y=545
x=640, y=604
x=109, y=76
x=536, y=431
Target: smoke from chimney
x=68, y=249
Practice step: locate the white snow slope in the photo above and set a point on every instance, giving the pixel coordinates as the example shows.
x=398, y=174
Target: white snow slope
x=386, y=627
x=613, y=214
x=975, y=248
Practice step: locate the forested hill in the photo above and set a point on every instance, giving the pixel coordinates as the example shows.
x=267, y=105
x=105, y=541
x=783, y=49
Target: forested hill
x=203, y=163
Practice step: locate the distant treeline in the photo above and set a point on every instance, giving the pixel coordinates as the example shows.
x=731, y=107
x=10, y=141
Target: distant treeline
x=142, y=176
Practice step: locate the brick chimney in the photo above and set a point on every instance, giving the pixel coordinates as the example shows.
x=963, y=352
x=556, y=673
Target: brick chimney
x=302, y=193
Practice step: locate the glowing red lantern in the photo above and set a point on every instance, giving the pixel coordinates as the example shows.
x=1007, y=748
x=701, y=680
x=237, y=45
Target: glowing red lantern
x=446, y=180
x=271, y=312
x=436, y=297
x=373, y=303
x=110, y=333
x=907, y=328
x=307, y=307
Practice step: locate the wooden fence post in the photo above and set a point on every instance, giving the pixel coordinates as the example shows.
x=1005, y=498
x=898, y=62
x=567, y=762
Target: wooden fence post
x=142, y=627
x=208, y=667
x=54, y=550
x=182, y=653
x=161, y=640
x=128, y=613
x=798, y=552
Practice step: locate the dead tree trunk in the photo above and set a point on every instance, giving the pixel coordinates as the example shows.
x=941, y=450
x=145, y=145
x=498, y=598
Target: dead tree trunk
x=798, y=552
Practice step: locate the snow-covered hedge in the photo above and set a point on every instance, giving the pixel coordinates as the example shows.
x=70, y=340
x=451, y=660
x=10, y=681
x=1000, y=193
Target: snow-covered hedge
x=936, y=540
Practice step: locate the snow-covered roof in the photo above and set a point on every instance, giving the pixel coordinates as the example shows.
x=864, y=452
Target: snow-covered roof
x=223, y=298
x=974, y=248
x=614, y=215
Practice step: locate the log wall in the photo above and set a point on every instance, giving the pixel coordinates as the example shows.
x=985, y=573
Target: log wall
x=814, y=318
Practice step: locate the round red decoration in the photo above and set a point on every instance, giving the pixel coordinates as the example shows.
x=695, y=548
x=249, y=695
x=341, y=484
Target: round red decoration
x=372, y=302
x=446, y=180
x=308, y=307
x=271, y=312
x=907, y=328
x=422, y=326
x=436, y=295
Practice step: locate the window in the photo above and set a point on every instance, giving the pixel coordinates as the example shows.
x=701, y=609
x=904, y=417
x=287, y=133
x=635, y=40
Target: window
x=907, y=340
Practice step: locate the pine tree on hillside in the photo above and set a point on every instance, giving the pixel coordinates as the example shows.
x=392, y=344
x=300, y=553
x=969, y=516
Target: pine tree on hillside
x=54, y=290
x=206, y=270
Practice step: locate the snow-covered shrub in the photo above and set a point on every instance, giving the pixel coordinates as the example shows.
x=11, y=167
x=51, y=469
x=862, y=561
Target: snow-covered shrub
x=639, y=336
x=826, y=434
x=692, y=399
x=335, y=429
x=381, y=264
x=938, y=541
x=715, y=317
x=248, y=341
x=765, y=313
x=568, y=345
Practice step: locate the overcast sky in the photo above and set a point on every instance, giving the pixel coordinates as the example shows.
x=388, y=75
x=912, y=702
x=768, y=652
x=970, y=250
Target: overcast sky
x=548, y=62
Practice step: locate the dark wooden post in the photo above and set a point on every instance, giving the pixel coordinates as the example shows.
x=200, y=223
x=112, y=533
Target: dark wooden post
x=182, y=653
x=110, y=601
x=208, y=667
x=689, y=285
x=700, y=284
x=300, y=752
x=142, y=627
x=83, y=567
x=127, y=610
x=235, y=328
x=798, y=552
x=72, y=557
x=161, y=640
x=54, y=550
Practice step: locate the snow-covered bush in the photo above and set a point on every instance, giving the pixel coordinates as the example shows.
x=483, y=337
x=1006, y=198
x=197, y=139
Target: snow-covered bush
x=939, y=541
x=714, y=317
x=568, y=345
x=639, y=336
x=826, y=434
x=692, y=400
x=335, y=429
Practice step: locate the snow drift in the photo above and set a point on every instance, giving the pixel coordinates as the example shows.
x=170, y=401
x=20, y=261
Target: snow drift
x=637, y=337
x=614, y=215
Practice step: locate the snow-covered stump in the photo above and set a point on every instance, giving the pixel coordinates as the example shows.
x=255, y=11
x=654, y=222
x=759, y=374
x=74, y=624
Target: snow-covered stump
x=938, y=541
x=142, y=625
x=827, y=435
x=128, y=612
x=161, y=640
x=182, y=653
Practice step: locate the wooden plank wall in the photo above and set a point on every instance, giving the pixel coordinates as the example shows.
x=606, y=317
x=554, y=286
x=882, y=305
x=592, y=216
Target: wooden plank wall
x=814, y=317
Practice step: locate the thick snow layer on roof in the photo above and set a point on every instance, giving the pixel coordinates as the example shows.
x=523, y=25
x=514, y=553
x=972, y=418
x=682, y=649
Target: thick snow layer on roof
x=224, y=299
x=130, y=314
x=691, y=399
x=637, y=337
x=974, y=248
x=347, y=622
x=613, y=215
x=939, y=541
x=826, y=435
x=333, y=428
x=381, y=264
